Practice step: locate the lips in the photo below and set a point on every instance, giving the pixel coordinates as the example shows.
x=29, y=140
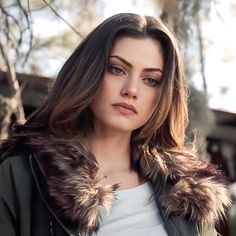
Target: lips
x=125, y=108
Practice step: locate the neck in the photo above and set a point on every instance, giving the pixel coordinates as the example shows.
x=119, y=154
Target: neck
x=111, y=149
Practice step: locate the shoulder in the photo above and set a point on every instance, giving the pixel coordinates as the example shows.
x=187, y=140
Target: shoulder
x=16, y=157
x=198, y=192
x=15, y=171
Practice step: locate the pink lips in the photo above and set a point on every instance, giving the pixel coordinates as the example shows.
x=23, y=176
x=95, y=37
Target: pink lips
x=125, y=108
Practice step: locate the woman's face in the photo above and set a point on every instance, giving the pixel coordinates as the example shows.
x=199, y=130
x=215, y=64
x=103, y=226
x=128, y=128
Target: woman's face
x=130, y=89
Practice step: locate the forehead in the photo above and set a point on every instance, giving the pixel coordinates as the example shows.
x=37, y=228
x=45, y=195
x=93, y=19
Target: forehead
x=146, y=51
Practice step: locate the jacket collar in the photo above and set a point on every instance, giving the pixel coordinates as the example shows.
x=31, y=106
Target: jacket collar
x=41, y=183
x=197, y=191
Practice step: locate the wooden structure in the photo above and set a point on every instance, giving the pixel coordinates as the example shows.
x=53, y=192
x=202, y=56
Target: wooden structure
x=34, y=89
x=222, y=142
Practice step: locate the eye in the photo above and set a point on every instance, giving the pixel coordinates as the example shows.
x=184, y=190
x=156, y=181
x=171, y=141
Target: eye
x=153, y=82
x=116, y=70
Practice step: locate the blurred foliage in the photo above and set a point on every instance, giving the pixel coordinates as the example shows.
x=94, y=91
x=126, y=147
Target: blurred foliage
x=19, y=19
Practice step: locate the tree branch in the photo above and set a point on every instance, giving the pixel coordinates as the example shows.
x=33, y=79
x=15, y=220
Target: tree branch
x=41, y=7
x=64, y=20
x=31, y=33
x=201, y=48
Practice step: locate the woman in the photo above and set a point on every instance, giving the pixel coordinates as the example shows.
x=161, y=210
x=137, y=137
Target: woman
x=106, y=153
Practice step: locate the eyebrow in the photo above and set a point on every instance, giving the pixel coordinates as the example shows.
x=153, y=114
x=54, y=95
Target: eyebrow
x=130, y=65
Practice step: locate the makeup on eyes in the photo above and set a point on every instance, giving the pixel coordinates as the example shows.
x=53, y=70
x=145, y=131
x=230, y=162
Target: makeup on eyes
x=118, y=66
x=127, y=63
x=115, y=69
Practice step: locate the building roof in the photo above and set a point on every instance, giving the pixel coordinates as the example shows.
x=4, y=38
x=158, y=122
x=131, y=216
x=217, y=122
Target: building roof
x=225, y=126
x=34, y=88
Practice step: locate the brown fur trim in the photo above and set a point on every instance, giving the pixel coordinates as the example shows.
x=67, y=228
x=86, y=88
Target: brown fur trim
x=73, y=182
x=203, y=200
x=198, y=191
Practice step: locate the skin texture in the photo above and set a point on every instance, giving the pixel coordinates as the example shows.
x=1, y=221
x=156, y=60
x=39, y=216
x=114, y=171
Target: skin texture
x=127, y=80
x=133, y=77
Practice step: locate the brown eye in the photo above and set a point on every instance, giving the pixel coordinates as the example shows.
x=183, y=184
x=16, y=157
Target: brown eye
x=116, y=70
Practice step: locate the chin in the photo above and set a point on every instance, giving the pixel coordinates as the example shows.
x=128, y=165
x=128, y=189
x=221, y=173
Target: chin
x=117, y=125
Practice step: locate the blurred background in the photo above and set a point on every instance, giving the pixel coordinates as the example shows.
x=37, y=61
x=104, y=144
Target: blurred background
x=37, y=36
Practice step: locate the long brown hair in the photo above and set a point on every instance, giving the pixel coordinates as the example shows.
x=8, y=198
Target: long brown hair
x=66, y=110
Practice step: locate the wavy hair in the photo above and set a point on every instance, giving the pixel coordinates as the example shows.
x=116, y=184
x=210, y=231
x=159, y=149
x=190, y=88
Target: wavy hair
x=159, y=152
x=66, y=111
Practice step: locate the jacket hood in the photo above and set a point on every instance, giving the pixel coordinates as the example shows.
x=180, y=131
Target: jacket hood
x=197, y=190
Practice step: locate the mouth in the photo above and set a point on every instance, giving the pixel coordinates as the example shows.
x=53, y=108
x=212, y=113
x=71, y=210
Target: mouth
x=125, y=108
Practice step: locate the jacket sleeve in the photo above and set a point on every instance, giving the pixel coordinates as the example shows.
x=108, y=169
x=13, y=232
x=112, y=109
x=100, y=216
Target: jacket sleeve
x=7, y=200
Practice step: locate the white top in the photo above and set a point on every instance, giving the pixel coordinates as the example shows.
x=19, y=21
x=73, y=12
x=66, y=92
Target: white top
x=133, y=214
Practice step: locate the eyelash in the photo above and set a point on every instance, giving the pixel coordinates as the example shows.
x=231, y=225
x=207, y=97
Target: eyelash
x=152, y=82
x=112, y=69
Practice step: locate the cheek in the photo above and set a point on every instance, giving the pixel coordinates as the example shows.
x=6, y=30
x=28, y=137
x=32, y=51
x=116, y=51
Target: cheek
x=100, y=94
x=102, y=97
x=105, y=89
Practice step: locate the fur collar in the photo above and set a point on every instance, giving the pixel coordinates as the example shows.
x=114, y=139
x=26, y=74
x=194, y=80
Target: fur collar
x=197, y=191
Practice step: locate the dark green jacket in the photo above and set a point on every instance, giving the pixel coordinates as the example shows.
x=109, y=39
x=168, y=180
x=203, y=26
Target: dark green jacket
x=24, y=208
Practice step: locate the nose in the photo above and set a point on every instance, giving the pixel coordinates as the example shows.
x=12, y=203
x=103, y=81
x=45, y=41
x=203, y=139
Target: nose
x=130, y=88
